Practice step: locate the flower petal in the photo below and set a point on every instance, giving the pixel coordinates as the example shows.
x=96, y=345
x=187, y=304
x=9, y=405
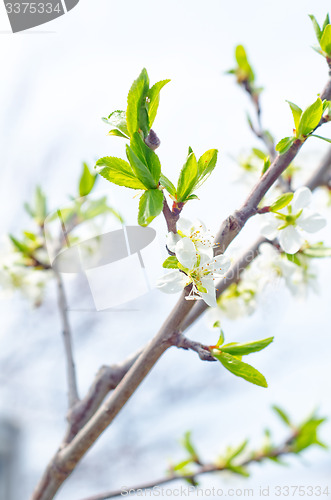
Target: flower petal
x=186, y=252
x=290, y=239
x=311, y=222
x=172, y=240
x=210, y=296
x=301, y=199
x=221, y=264
x=172, y=282
x=270, y=227
x=185, y=226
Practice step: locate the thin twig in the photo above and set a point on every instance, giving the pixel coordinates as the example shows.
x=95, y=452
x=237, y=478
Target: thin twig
x=66, y=331
x=203, y=351
x=274, y=453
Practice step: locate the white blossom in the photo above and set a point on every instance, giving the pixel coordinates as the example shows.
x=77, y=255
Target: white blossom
x=290, y=223
x=193, y=247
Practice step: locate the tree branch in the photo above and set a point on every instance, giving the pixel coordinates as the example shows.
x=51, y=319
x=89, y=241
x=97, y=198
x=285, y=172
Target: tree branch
x=66, y=459
x=67, y=340
x=106, y=380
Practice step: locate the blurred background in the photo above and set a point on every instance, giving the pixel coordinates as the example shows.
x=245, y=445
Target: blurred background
x=57, y=81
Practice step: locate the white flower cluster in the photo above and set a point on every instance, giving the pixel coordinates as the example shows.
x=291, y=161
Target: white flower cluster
x=14, y=275
x=290, y=223
x=193, y=247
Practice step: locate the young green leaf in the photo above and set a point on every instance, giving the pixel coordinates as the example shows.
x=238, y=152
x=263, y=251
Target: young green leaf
x=21, y=247
x=310, y=118
x=86, y=181
x=326, y=22
x=136, y=112
x=238, y=469
x=307, y=434
x=150, y=206
x=146, y=156
x=281, y=202
x=167, y=184
x=235, y=452
x=189, y=447
x=259, y=153
x=245, y=70
x=282, y=415
x=241, y=369
x=320, y=137
x=325, y=41
x=117, y=119
x=284, y=144
x=266, y=165
x=153, y=99
x=118, y=172
x=316, y=26
x=140, y=169
x=40, y=205
x=296, y=112
x=247, y=348
x=187, y=178
x=206, y=165
x=317, y=251
x=171, y=262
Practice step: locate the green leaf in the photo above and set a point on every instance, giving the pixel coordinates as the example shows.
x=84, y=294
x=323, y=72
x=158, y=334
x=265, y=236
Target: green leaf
x=150, y=206
x=234, y=453
x=246, y=72
x=284, y=144
x=310, y=118
x=221, y=337
x=187, y=178
x=317, y=251
x=293, y=258
x=247, y=348
x=21, y=247
x=307, y=434
x=188, y=445
x=146, y=156
x=40, y=205
x=326, y=22
x=29, y=210
x=192, y=197
x=86, y=181
x=118, y=172
x=153, y=99
x=296, y=112
x=238, y=469
x=325, y=41
x=171, y=262
x=266, y=165
x=182, y=465
x=320, y=137
x=206, y=165
x=117, y=119
x=241, y=369
x=259, y=153
x=281, y=202
x=282, y=415
x=167, y=184
x=136, y=112
x=140, y=169
x=326, y=104
x=316, y=26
